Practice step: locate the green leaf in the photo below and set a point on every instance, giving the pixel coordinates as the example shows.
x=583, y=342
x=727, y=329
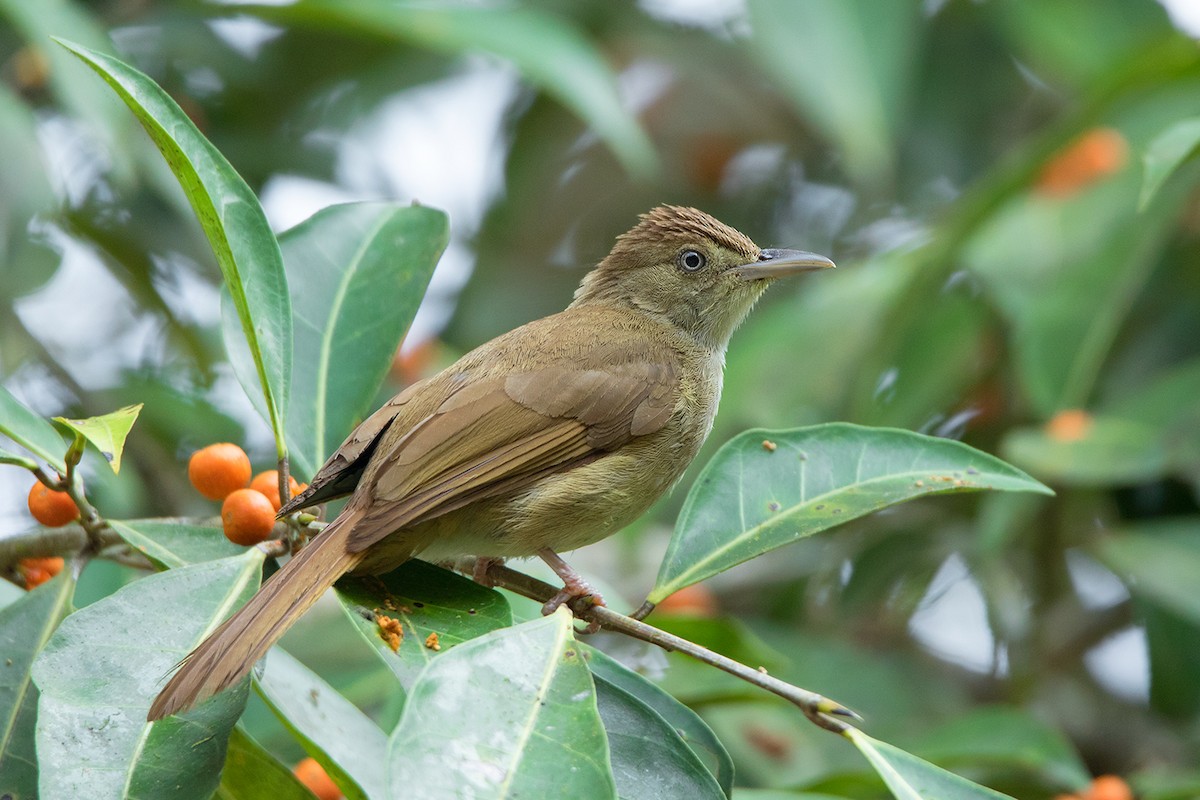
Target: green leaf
x=107, y=432
x=681, y=720
x=252, y=773
x=910, y=778
x=1110, y=451
x=176, y=542
x=1009, y=739
x=31, y=431
x=104, y=666
x=350, y=747
x=511, y=714
x=233, y=221
x=425, y=599
x=25, y=627
x=357, y=274
x=649, y=759
x=750, y=499
x=1160, y=562
x=547, y=50
x=1164, y=155
x=852, y=80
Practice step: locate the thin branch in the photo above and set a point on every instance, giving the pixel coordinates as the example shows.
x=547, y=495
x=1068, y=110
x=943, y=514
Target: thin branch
x=817, y=708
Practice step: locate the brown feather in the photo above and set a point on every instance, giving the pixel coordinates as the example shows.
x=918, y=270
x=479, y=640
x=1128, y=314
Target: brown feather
x=229, y=652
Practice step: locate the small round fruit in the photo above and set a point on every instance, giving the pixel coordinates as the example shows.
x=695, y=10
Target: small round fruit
x=219, y=469
x=696, y=600
x=35, y=577
x=1110, y=787
x=314, y=777
x=268, y=483
x=51, y=564
x=51, y=508
x=247, y=517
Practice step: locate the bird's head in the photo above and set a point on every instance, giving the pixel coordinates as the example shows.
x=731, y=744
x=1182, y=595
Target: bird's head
x=685, y=266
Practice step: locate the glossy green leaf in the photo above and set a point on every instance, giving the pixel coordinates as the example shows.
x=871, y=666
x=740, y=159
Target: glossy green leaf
x=176, y=542
x=1110, y=451
x=510, y=714
x=681, y=720
x=345, y=741
x=252, y=773
x=750, y=499
x=233, y=221
x=852, y=80
x=31, y=431
x=649, y=759
x=357, y=273
x=1164, y=155
x=911, y=778
x=425, y=600
x=104, y=666
x=1010, y=739
x=25, y=627
x=107, y=432
x=546, y=49
x=1160, y=562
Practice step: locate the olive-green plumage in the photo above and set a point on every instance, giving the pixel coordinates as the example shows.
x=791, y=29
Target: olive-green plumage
x=550, y=437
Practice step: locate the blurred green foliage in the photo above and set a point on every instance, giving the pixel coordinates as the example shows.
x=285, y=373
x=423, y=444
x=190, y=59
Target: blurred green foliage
x=1008, y=189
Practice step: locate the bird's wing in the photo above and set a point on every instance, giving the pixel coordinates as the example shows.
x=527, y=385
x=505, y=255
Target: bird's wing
x=498, y=435
x=339, y=475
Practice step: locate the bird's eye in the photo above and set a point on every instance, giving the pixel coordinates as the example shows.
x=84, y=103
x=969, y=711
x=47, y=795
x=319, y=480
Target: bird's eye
x=691, y=261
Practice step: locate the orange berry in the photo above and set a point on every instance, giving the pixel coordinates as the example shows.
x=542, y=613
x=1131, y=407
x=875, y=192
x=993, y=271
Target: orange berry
x=1110, y=787
x=247, y=517
x=313, y=776
x=696, y=600
x=51, y=508
x=1070, y=425
x=35, y=577
x=268, y=483
x=51, y=564
x=219, y=469
x=1096, y=154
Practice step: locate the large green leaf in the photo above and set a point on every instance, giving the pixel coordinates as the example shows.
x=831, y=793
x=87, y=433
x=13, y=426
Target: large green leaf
x=107, y=432
x=104, y=666
x=1110, y=451
x=350, y=747
x=233, y=221
x=425, y=600
x=25, y=627
x=509, y=714
x=1160, y=562
x=176, y=542
x=1164, y=155
x=852, y=79
x=357, y=274
x=649, y=759
x=764, y=489
x=911, y=778
x=31, y=431
x=681, y=720
x=252, y=773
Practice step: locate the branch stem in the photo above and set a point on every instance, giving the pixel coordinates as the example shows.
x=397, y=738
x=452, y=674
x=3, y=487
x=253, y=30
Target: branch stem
x=819, y=709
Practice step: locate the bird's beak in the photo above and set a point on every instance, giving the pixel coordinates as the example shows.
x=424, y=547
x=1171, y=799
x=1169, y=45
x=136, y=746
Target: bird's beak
x=778, y=263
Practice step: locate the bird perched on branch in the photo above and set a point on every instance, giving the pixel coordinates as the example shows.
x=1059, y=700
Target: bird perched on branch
x=547, y=438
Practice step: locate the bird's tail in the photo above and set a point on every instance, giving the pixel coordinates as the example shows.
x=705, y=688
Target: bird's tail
x=230, y=651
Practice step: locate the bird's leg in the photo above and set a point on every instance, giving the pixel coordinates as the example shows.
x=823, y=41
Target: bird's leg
x=478, y=568
x=573, y=583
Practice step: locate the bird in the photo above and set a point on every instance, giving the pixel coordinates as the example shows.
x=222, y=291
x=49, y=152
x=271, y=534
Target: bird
x=543, y=440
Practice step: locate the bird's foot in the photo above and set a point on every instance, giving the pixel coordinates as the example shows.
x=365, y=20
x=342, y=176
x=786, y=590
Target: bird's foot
x=574, y=587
